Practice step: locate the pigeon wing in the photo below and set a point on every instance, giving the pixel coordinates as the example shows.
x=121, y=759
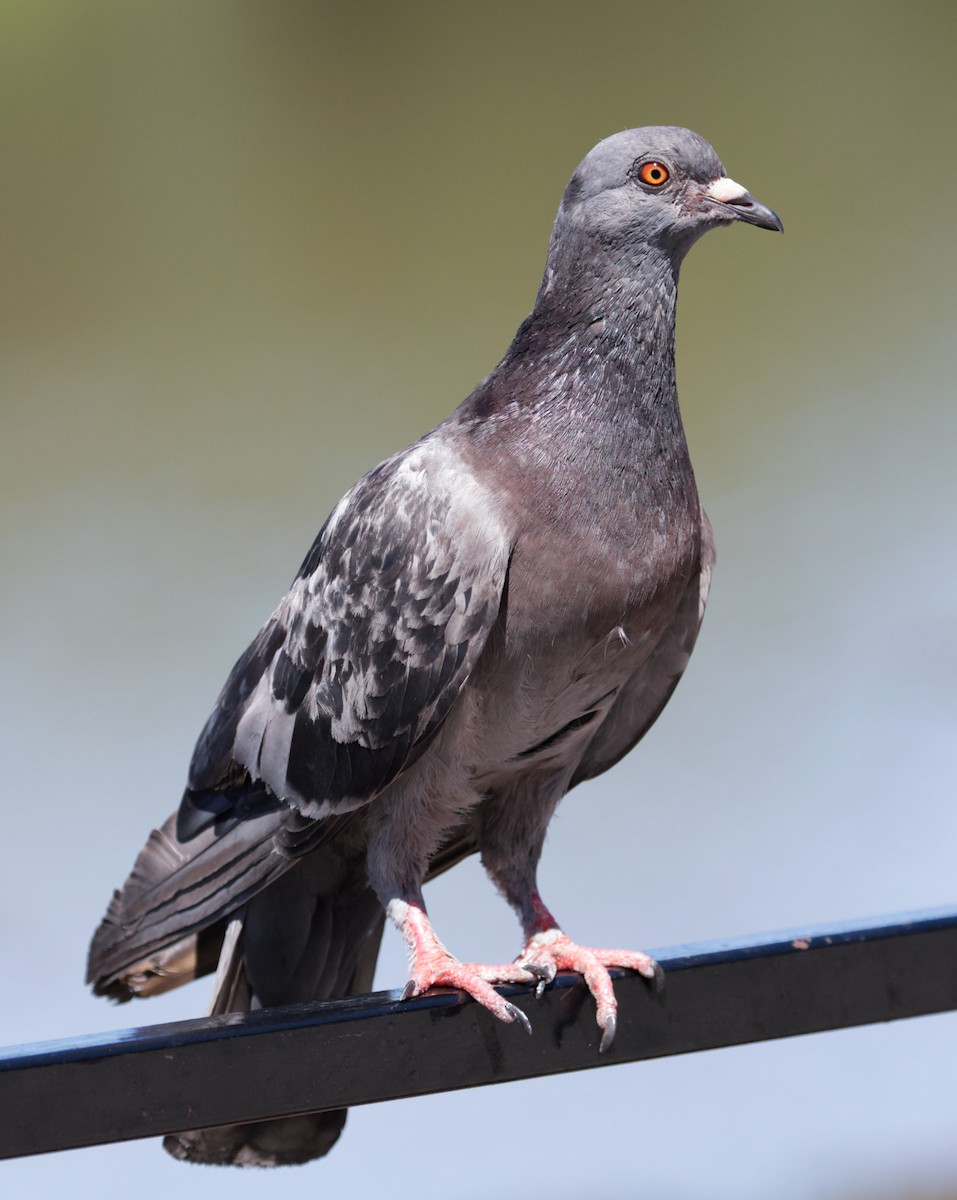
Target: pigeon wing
x=360, y=664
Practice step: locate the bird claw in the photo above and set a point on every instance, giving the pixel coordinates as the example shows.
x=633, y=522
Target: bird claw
x=542, y=972
x=505, y=1011
x=475, y=979
x=551, y=951
x=516, y=1014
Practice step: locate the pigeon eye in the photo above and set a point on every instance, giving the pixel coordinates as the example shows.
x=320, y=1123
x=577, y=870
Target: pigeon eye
x=653, y=173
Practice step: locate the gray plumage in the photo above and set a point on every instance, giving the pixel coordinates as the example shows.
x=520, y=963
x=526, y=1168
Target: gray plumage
x=491, y=616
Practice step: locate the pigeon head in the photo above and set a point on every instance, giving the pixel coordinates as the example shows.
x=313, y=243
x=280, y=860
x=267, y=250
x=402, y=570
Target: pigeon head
x=660, y=186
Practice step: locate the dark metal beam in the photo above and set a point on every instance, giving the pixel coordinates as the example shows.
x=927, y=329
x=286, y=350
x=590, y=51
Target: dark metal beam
x=141, y=1082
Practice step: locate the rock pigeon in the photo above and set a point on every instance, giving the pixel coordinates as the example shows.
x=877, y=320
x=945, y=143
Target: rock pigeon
x=488, y=618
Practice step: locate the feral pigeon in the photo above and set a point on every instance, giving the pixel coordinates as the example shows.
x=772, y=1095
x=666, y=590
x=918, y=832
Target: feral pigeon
x=488, y=618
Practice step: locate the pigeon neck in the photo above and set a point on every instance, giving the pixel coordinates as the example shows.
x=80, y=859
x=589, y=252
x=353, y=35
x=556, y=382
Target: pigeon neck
x=590, y=374
x=618, y=301
x=586, y=393
x=596, y=360
x=604, y=322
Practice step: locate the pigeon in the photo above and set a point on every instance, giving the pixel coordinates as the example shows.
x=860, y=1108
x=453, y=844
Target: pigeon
x=493, y=615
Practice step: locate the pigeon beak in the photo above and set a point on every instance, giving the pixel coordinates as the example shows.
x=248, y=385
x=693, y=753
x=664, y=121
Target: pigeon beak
x=742, y=204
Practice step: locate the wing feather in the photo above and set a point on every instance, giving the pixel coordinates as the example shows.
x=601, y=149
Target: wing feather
x=360, y=664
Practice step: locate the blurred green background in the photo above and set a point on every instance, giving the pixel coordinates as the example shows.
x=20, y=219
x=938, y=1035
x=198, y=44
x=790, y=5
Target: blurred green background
x=248, y=250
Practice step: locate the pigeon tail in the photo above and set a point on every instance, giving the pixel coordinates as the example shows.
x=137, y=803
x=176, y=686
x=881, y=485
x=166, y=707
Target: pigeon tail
x=283, y=1141
x=289, y=916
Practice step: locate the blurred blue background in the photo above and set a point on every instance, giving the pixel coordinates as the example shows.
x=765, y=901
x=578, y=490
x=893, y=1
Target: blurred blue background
x=252, y=248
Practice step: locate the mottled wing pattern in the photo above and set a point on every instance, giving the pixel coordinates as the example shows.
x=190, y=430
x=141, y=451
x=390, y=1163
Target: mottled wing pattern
x=640, y=702
x=361, y=662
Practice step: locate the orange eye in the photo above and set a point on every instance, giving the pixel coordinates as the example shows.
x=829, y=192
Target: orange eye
x=653, y=173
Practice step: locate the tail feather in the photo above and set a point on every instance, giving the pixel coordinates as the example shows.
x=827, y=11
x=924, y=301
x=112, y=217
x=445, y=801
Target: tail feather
x=230, y=989
x=284, y=1141
x=165, y=926
x=287, y=921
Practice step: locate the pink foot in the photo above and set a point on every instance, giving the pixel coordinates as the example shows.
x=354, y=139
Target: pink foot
x=474, y=978
x=434, y=966
x=550, y=951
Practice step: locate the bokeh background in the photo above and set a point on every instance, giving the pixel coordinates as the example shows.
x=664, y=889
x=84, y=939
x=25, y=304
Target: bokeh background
x=248, y=250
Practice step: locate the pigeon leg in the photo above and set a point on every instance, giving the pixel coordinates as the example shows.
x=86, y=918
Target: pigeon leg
x=433, y=966
x=512, y=834
x=549, y=950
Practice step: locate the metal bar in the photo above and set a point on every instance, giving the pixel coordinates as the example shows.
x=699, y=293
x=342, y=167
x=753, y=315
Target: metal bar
x=142, y=1082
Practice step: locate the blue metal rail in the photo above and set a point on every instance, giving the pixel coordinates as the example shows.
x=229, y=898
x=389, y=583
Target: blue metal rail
x=148, y=1081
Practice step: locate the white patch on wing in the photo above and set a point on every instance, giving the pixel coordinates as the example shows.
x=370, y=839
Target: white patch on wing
x=333, y=519
x=707, y=562
x=703, y=588
x=252, y=725
x=274, y=748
